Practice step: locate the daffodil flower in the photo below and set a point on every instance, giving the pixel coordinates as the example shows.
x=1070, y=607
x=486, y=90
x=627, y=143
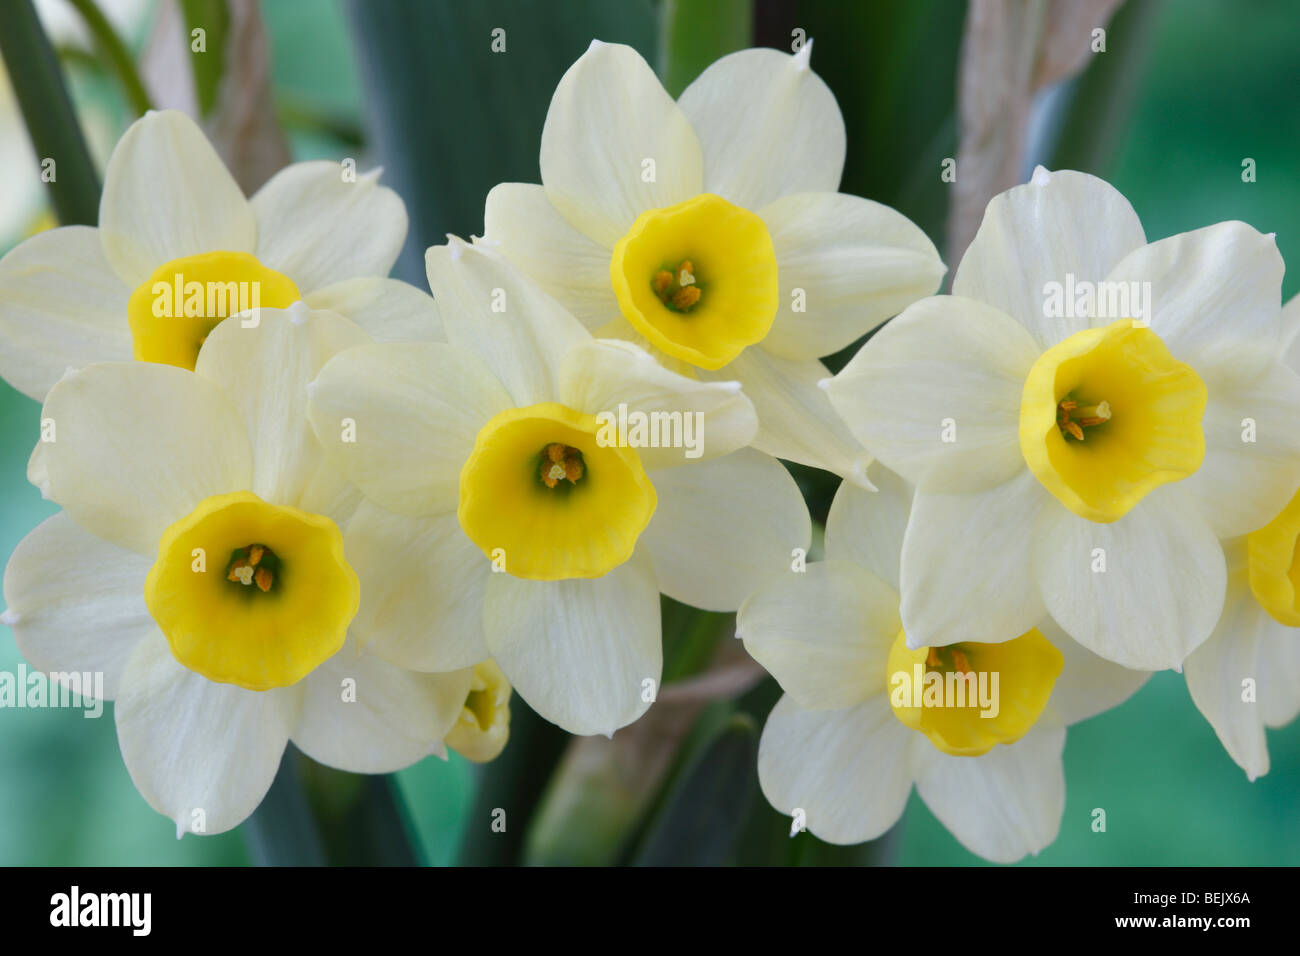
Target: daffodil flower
x=709, y=231
x=199, y=564
x=513, y=512
x=179, y=248
x=1247, y=675
x=1072, y=455
x=858, y=724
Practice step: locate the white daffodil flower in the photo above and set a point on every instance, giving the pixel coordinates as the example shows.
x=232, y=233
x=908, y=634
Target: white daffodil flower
x=979, y=728
x=179, y=248
x=199, y=564
x=1084, y=418
x=709, y=230
x=1247, y=675
x=531, y=491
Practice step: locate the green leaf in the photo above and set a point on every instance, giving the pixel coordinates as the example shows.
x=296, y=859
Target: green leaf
x=38, y=84
x=694, y=33
x=510, y=788
x=704, y=814
x=282, y=831
x=112, y=49
x=208, y=64
x=450, y=117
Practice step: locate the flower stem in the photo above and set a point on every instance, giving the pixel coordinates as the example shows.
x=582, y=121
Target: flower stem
x=118, y=56
x=47, y=109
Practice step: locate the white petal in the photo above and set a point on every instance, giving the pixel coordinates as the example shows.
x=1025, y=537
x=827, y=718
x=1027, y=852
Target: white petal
x=1291, y=333
x=847, y=770
x=850, y=263
x=1003, y=804
x=769, y=126
x=1252, y=449
x=795, y=418
x=365, y=715
x=824, y=634
x=608, y=377
x=1088, y=684
x=137, y=446
x=867, y=527
x=317, y=227
x=1161, y=592
x=723, y=527
x=935, y=394
x=199, y=752
x=1216, y=296
x=167, y=195
x=521, y=223
x=400, y=420
x=265, y=368
x=388, y=309
x=491, y=308
x=1217, y=670
x=966, y=572
x=422, y=587
x=608, y=117
x=61, y=306
x=1279, y=674
x=75, y=602
x=585, y=653
x=1059, y=224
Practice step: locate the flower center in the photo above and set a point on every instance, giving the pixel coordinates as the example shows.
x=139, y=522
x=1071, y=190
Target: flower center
x=1107, y=416
x=254, y=564
x=1072, y=418
x=560, y=462
x=545, y=500
x=481, y=731
x=258, y=615
x=1273, y=561
x=968, y=697
x=173, y=311
x=676, y=287
x=705, y=316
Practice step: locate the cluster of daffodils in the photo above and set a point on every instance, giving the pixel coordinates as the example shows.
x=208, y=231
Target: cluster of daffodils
x=303, y=501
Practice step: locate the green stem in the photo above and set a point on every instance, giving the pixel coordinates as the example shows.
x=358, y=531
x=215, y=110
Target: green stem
x=118, y=56
x=47, y=109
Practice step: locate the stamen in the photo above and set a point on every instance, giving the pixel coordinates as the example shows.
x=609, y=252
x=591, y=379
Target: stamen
x=248, y=567
x=678, y=289
x=1073, y=418
x=685, y=298
x=934, y=658
x=561, y=462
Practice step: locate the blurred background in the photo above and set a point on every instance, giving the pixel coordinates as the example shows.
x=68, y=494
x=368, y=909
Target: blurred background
x=1183, y=94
